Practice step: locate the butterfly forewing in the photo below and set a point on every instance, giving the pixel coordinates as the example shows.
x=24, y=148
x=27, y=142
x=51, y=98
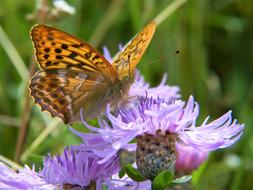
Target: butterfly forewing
x=126, y=61
x=56, y=49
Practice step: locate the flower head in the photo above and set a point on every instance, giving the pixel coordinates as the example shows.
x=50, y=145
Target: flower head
x=179, y=118
x=171, y=120
x=78, y=169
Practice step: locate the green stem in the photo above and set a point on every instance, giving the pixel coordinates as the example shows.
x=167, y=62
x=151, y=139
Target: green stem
x=171, y=8
x=9, y=162
x=40, y=139
x=107, y=21
x=9, y=120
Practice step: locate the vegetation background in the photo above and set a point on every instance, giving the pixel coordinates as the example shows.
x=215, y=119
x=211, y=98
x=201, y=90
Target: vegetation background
x=215, y=64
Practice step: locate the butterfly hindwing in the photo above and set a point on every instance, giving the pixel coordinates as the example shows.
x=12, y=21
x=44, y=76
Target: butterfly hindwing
x=63, y=92
x=126, y=61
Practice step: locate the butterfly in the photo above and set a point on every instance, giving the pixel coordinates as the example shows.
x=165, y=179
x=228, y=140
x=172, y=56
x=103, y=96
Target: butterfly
x=74, y=76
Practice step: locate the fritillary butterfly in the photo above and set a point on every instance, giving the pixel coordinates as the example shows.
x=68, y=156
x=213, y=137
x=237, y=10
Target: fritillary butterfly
x=76, y=76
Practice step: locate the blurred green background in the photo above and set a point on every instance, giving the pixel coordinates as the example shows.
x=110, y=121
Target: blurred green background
x=215, y=64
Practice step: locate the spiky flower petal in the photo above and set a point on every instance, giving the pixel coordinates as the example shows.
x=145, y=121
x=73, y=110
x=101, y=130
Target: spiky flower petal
x=24, y=179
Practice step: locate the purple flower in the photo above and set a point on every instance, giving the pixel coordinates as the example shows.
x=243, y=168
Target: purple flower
x=180, y=118
x=188, y=158
x=166, y=123
x=74, y=169
x=24, y=179
x=78, y=169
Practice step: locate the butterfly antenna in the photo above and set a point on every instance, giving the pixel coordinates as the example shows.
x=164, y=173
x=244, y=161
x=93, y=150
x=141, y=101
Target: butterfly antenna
x=162, y=58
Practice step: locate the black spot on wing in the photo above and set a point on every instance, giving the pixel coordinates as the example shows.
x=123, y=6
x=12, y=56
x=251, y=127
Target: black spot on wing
x=57, y=50
x=46, y=56
x=72, y=55
x=50, y=38
x=47, y=50
x=58, y=57
x=48, y=63
x=64, y=46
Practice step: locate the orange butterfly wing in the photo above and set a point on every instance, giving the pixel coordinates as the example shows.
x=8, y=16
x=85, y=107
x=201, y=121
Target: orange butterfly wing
x=56, y=49
x=74, y=75
x=127, y=59
x=64, y=92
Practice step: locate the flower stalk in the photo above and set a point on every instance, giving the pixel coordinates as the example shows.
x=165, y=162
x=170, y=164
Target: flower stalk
x=171, y=8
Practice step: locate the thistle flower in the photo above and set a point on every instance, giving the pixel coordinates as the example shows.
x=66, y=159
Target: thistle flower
x=78, y=169
x=74, y=169
x=158, y=125
x=24, y=179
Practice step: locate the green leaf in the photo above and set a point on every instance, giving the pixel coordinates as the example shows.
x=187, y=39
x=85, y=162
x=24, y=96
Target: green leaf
x=133, y=173
x=182, y=179
x=162, y=180
x=122, y=172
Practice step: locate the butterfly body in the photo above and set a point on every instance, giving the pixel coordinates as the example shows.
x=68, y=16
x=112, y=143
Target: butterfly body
x=76, y=76
x=114, y=93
